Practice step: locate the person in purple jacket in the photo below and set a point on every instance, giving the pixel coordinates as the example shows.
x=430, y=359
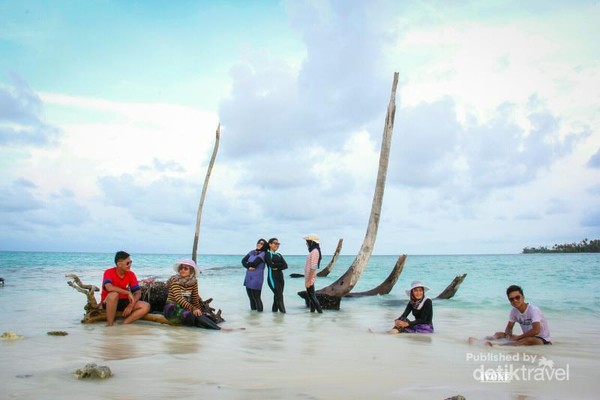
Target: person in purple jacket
x=254, y=262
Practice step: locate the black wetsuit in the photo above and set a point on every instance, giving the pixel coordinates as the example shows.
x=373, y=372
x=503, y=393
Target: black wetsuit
x=275, y=266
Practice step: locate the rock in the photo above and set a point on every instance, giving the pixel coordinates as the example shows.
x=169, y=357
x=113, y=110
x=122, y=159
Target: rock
x=57, y=333
x=457, y=397
x=93, y=371
x=10, y=336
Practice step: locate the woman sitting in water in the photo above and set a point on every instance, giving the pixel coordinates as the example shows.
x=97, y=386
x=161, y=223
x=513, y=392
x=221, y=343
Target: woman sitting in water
x=183, y=301
x=421, y=308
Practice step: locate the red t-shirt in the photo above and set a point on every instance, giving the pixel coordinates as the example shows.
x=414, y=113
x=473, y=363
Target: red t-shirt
x=128, y=282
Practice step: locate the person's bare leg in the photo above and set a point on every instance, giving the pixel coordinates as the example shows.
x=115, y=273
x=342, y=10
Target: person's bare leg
x=110, y=306
x=528, y=341
x=141, y=308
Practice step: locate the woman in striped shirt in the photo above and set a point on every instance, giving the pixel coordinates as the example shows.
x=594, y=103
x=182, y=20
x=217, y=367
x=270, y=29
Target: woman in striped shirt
x=313, y=260
x=183, y=301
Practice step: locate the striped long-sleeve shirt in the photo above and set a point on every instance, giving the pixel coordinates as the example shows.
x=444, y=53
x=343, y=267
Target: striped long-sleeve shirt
x=186, y=296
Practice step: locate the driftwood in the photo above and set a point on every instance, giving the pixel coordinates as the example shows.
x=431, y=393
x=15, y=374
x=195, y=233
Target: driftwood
x=452, y=288
x=201, y=204
x=329, y=266
x=386, y=286
x=154, y=292
x=348, y=280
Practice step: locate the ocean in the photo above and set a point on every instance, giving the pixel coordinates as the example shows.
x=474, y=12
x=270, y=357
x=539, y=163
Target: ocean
x=300, y=355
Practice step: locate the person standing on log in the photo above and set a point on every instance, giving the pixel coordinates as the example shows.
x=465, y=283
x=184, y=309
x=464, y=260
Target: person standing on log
x=121, y=292
x=183, y=300
x=313, y=261
x=422, y=309
x=254, y=262
x=275, y=266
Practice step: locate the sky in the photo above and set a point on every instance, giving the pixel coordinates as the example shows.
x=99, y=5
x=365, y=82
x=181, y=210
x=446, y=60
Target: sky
x=108, y=114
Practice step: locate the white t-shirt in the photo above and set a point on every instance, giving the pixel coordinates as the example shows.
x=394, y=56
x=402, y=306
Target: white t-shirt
x=532, y=314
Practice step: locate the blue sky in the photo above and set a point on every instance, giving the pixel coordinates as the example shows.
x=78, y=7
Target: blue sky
x=108, y=112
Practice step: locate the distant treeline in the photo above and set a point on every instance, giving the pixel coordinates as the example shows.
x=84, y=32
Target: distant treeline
x=584, y=246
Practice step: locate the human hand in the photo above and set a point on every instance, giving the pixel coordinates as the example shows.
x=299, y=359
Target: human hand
x=400, y=324
x=128, y=310
x=251, y=269
x=197, y=312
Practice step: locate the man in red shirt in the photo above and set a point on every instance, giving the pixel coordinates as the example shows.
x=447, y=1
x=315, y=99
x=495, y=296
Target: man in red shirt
x=121, y=292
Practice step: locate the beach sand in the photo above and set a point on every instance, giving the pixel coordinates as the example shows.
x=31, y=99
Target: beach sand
x=297, y=355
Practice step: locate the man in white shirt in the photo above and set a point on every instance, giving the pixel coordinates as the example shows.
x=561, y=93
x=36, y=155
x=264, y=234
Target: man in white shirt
x=531, y=318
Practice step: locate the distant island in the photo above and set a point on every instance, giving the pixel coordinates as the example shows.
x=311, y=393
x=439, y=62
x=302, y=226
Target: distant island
x=584, y=246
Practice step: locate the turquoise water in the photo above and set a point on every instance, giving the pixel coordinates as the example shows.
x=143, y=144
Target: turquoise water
x=558, y=282
x=335, y=346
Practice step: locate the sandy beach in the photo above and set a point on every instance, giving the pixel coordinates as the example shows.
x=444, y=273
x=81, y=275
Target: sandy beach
x=298, y=355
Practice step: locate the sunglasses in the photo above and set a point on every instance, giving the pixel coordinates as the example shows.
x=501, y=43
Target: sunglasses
x=126, y=263
x=516, y=298
x=276, y=243
x=184, y=267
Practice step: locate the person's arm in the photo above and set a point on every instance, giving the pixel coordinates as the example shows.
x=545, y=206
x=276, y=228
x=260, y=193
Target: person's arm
x=175, y=290
x=425, y=315
x=279, y=262
x=254, y=263
x=269, y=259
x=313, y=262
x=535, y=330
x=113, y=288
x=401, y=321
x=245, y=261
x=197, y=310
x=508, y=330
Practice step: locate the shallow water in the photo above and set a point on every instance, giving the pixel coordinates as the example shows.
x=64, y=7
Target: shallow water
x=299, y=354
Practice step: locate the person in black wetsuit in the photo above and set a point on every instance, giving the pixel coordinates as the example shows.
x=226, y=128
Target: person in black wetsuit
x=275, y=266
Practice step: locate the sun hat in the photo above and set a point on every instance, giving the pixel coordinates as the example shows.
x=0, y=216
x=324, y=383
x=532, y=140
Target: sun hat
x=416, y=284
x=187, y=262
x=312, y=236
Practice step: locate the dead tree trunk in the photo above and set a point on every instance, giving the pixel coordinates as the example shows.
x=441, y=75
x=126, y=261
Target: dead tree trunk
x=154, y=292
x=204, y=188
x=386, y=286
x=452, y=288
x=329, y=266
x=346, y=282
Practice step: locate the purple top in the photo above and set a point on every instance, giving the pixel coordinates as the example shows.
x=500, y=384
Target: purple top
x=254, y=279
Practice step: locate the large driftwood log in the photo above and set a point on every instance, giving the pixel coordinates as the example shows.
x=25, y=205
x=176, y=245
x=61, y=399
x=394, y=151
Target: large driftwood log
x=201, y=204
x=452, y=288
x=346, y=282
x=154, y=292
x=329, y=266
x=386, y=286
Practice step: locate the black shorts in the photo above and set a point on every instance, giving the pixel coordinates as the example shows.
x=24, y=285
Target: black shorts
x=120, y=305
x=543, y=340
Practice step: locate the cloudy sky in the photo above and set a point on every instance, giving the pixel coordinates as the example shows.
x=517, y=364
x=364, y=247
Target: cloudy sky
x=108, y=113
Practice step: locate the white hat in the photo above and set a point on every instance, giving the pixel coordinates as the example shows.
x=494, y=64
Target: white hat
x=416, y=284
x=312, y=236
x=188, y=262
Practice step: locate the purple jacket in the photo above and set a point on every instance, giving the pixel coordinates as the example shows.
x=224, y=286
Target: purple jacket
x=254, y=279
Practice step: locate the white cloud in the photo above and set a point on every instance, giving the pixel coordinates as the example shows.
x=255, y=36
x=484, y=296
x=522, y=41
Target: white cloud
x=494, y=149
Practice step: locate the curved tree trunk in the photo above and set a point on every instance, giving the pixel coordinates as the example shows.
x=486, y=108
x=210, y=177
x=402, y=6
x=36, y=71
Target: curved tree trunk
x=204, y=188
x=386, y=286
x=346, y=282
x=452, y=288
x=329, y=266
